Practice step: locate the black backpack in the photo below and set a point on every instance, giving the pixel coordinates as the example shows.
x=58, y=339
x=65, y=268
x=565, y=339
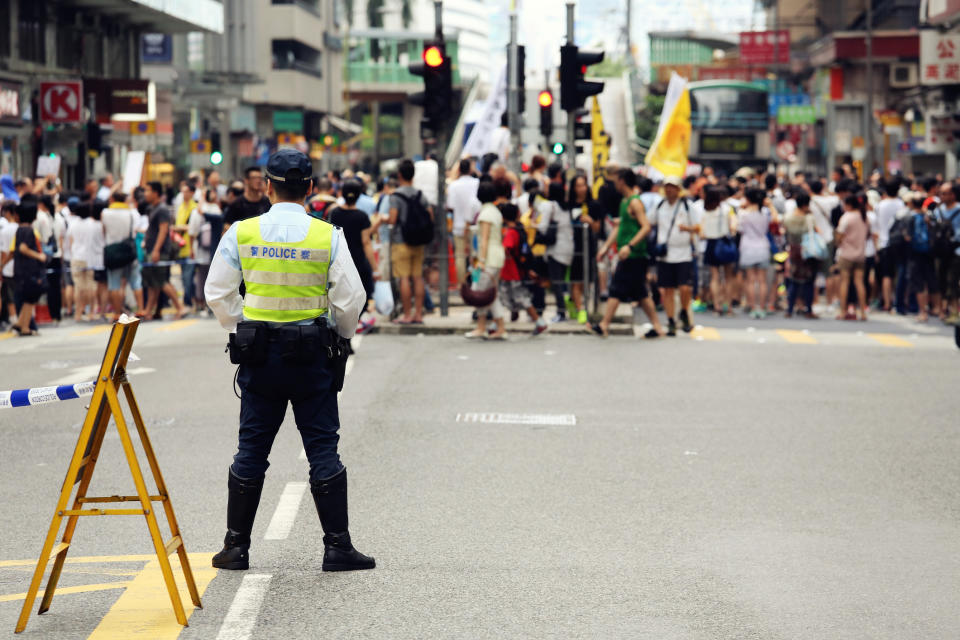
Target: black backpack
x=898, y=237
x=416, y=226
x=944, y=243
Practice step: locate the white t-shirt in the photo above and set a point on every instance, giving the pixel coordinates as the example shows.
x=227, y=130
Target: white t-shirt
x=462, y=200
x=679, y=243
x=870, y=249
x=44, y=226
x=887, y=212
x=821, y=206
x=103, y=193
x=495, y=253
x=716, y=223
x=86, y=242
x=7, y=232
x=119, y=224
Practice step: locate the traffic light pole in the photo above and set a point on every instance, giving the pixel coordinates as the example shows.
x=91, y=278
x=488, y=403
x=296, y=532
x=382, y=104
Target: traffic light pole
x=513, y=97
x=571, y=115
x=440, y=215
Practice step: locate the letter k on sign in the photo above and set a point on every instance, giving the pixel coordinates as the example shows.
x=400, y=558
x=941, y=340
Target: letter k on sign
x=61, y=101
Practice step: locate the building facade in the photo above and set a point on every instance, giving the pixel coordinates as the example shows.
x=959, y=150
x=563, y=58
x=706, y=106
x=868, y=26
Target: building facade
x=70, y=77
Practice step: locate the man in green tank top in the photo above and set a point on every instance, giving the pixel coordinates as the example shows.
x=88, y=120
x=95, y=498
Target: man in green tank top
x=630, y=278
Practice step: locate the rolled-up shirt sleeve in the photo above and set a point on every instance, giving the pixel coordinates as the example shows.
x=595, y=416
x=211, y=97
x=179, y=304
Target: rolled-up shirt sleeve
x=346, y=294
x=222, y=290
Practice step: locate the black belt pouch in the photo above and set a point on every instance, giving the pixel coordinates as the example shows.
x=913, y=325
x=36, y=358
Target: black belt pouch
x=249, y=344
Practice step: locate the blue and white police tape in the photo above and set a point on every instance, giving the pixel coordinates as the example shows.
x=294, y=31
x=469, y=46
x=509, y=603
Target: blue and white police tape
x=44, y=395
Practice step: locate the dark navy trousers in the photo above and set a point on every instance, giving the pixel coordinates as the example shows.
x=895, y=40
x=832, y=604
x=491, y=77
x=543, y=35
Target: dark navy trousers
x=265, y=390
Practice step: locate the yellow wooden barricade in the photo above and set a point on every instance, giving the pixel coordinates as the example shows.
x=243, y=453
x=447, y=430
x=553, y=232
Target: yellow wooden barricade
x=104, y=405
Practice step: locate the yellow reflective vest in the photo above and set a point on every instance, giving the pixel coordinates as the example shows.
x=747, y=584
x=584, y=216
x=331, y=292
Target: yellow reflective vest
x=285, y=281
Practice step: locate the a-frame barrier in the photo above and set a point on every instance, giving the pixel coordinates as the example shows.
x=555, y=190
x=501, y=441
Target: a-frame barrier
x=104, y=405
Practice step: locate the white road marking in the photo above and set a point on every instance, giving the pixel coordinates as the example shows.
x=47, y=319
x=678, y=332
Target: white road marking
x=242, y=615
x=518, y=418
x=286, y=513
x=87, y=373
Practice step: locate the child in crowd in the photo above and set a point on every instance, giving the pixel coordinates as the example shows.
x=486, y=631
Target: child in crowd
x=514, y=294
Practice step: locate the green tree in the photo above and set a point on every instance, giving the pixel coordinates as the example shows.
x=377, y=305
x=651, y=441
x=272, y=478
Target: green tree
x=607, y=69
x=648, y=118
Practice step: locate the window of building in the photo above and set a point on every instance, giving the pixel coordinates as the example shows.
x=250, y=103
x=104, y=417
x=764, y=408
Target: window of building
x=32, y=26
x=5, y=24
x=290, y=54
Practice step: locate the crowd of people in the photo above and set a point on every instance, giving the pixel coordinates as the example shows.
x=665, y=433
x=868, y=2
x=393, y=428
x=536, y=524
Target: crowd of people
x=753, y=242
x=760, y=243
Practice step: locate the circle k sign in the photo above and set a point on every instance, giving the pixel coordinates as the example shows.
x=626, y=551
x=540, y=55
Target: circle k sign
x=61, y=101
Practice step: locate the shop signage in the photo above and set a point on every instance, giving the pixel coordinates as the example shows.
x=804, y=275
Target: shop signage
x=156, y=48
x=120, y=99
x=287, y=121
x=735, y=145
x=765, y=47
x=942, y=11
x=61, y=101
x=10, y=103
x=939, y=58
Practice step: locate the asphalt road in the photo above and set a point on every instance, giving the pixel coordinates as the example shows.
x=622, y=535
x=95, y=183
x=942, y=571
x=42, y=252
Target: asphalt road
x=771, y=479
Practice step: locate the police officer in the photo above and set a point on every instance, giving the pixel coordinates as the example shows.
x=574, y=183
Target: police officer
x=288, y=335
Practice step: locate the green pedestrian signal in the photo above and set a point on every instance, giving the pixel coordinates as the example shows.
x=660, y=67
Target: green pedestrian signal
x=558, y=148
x=216, y=157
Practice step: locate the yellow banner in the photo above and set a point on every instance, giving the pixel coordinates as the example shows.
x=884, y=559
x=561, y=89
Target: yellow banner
x=670, y=150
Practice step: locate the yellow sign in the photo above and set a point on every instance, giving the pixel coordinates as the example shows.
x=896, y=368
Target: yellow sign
x=146, y=128
x=200, y=146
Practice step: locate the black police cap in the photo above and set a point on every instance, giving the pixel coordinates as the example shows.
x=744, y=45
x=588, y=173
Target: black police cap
x=286, y=160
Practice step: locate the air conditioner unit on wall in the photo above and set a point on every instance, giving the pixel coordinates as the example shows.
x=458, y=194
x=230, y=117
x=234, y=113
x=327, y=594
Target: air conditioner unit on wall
x=903, y=75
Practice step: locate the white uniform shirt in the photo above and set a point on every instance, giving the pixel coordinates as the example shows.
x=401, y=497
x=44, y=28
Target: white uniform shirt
x=8, y=230
x=285, y=222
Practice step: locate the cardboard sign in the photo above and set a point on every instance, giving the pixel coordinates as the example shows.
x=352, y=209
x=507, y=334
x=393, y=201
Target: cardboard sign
x=133, y=170
x=48, y=165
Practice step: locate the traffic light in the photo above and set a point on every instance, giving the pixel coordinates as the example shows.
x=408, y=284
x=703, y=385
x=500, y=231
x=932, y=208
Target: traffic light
x=216, y=153
x=558, y=148
x=437, y=96
x=574, y=90
x=545, y=100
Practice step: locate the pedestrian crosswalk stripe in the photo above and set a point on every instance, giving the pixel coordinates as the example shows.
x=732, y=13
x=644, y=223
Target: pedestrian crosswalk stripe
x=242, y=615
x=796, y=337
x=286, y=513
x=890, y=340
x=705, y=333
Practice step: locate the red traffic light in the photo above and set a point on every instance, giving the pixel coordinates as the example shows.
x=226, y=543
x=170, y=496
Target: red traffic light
x=545, y=99
x=432, y=56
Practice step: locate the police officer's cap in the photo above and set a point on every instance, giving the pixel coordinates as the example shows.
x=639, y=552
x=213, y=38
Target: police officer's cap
x=286, y=160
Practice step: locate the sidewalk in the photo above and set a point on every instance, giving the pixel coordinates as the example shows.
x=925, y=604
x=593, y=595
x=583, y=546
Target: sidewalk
x=460, y=321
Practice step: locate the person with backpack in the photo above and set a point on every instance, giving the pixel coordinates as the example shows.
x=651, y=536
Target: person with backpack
x=921, y=275
x=514, y=294
x=120, y=228
x=412, y=218
x=948, y=249
x=677, y=226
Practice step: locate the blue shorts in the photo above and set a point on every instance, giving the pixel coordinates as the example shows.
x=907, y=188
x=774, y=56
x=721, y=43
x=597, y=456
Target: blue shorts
x=130, y=273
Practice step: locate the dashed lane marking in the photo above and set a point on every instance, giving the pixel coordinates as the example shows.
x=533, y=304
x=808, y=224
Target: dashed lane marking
x=243, y=612
x=890, y=340
x=519, y=418
x=177, y=325
x=286, y=512
x=92, y=331
x=796, y=337
x=84, y=588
